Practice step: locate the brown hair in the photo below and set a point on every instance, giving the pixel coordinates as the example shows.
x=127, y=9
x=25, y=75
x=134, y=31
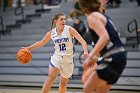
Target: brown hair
x=55, y=18
x=88, y=6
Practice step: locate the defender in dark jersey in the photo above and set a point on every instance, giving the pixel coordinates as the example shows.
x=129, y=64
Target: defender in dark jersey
x=107, y=44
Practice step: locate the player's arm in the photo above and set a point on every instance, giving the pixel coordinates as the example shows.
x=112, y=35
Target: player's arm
x=98, y=23
x=76, y=35
x=41, y=42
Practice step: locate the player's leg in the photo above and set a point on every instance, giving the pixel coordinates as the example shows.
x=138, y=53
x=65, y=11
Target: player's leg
x=87, y=73
x=104, y=89
x=53, y=73
x=63, y=84
x=93, y=81
x=66, y=71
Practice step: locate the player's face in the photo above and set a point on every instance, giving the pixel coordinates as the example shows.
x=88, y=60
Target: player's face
x=61, y=21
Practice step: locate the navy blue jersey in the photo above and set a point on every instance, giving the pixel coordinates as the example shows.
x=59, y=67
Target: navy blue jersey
x=113, y=34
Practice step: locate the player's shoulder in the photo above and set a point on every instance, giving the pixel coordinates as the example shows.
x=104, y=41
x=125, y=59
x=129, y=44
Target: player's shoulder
x=69, y=27
x=49, y=33
x=71, y=30
x=94, y=15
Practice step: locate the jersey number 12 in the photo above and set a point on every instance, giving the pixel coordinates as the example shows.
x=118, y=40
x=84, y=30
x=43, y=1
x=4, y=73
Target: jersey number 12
x=62, y=47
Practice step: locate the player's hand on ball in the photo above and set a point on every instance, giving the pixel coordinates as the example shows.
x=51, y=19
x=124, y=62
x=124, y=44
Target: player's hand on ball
x=24, y=56
x=26, y=49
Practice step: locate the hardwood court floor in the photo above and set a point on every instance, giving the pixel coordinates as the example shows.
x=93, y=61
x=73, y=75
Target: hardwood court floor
x=38, y=90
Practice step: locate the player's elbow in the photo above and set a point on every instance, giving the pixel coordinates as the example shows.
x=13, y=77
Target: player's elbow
x=105, y=37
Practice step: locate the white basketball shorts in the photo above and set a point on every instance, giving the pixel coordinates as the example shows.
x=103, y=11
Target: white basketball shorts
x=63, y=63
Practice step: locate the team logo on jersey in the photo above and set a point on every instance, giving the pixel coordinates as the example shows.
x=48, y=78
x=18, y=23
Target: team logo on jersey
x=61, y=40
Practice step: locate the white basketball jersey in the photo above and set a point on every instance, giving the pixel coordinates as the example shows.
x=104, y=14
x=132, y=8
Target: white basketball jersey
x=63, y=42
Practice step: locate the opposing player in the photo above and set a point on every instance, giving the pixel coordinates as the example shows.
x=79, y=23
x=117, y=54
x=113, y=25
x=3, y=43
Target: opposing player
x=93, y=63
x=62, y=59
x=107, y=44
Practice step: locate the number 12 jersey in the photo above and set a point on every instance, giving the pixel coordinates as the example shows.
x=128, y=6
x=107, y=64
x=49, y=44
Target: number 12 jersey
x=63, y=42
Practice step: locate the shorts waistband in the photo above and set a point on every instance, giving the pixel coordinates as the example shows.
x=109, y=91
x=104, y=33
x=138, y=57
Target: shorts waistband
x=62, y=56
x=114, y=50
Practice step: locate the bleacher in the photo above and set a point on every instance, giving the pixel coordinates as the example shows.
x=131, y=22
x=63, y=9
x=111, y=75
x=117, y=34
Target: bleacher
x=13, y=73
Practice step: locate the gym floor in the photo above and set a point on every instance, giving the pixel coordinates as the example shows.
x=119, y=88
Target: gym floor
x=4, y=89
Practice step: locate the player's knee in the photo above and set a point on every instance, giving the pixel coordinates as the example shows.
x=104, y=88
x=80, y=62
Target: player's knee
x=102, y=91
x=63, y=84
x=87, y=89
x=51, y=78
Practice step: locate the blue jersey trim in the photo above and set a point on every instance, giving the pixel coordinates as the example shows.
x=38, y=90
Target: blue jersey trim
x=51, y=64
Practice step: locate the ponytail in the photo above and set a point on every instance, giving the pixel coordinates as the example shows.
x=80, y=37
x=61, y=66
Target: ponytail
x=52, y=24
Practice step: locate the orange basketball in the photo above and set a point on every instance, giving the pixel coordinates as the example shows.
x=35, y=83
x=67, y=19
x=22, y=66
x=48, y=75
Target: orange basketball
x=24, y=56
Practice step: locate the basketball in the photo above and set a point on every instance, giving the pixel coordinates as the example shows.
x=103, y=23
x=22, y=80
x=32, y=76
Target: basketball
x=24, y=56
x=87, y=72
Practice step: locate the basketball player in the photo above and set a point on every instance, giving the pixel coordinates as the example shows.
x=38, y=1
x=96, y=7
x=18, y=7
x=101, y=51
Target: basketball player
x=62, y=59
x=107, y=44
x=93, y=65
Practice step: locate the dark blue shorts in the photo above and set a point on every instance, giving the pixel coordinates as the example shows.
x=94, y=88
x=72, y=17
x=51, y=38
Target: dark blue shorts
x=114, y=69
